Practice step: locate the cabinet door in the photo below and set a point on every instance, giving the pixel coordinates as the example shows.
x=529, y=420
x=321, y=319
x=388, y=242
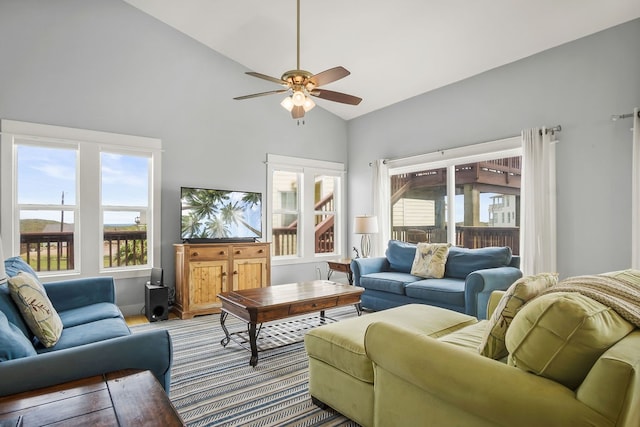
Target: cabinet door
x=206, y=280
x=249, y=273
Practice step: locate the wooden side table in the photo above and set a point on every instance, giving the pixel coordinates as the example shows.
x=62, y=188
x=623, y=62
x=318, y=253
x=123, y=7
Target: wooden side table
x=341, y=265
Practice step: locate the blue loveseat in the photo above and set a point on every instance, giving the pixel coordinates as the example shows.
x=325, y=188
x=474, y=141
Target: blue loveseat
x=470, y=277
x=95, y=338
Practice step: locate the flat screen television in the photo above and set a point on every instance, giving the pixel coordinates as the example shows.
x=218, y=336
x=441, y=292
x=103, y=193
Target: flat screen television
x=208, y=215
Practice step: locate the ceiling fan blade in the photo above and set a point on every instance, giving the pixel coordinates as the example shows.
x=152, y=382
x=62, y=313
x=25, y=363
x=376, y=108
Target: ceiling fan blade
x=297, y=112
x=336, y=96
x=268, y=78
x=255, y=95
x=328, y=76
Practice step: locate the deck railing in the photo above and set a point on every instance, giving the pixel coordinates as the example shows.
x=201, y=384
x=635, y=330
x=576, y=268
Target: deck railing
x=285, y=239
x=48, y=251
x=467, y=237
x=54, y=251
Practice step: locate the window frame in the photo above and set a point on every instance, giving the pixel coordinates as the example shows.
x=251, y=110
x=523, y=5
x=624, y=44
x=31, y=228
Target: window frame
x=88, y=219
x=308, y=169
x=507, y=147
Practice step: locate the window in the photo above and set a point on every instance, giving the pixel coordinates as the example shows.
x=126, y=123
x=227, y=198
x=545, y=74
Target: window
x=305, y=208
x=285, y=212
x=80, y=202
x=124, y=214
x=46, y=205
x=469, y=196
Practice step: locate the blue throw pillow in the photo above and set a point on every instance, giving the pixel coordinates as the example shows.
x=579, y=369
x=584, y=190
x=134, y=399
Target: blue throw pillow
x=15, y=265
x=13, y=343
x=401, y=255
x=9, y=308
x=462, y=261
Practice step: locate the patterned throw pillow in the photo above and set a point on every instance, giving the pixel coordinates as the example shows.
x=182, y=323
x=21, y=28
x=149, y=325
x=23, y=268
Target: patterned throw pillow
x=36, y=308
x=430, y=260
x=518, y=294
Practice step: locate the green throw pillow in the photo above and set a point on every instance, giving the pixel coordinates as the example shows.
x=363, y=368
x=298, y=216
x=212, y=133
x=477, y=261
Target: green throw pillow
x=36, y=308
x=561, y=335
x=430, y=260
x=519, y=293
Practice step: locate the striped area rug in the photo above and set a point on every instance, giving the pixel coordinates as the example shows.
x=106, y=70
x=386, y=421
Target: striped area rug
x=213, y=385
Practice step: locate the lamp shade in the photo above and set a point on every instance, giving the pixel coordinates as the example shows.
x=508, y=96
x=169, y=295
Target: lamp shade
x=287, y=103
x=3, y=272
x=365, y=224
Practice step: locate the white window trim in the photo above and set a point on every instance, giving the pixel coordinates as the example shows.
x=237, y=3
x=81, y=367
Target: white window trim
x=635, y=192
x=310, y=168
x=508, y=147
x=89, y=173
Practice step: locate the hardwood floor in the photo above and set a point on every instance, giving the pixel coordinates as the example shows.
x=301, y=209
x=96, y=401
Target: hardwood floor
x=141, y=319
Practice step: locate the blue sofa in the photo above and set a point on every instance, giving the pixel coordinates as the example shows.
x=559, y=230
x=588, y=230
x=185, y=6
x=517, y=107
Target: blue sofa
x=95, y=338
x=470, y=277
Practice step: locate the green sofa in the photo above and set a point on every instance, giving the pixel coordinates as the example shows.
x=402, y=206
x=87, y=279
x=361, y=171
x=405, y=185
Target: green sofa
x=421, y=365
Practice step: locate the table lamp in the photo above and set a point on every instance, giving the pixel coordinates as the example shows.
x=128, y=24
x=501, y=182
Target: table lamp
x=365, y=225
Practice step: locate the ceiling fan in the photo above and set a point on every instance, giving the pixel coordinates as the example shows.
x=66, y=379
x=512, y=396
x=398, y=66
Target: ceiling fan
x=301, y=84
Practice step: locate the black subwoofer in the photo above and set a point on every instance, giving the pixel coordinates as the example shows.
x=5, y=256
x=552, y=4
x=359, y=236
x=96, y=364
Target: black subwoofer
x=156, y=300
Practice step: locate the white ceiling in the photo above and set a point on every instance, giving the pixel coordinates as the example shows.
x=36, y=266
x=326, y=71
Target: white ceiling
x=394, y=49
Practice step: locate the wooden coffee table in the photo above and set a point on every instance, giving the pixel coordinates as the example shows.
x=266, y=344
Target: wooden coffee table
x=261, y=305
x=122, y=398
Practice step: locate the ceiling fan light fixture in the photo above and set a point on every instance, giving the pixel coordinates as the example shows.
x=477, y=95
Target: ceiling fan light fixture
x=298, y=98
x=300, y=84
x=287, y=103
x=308, y=104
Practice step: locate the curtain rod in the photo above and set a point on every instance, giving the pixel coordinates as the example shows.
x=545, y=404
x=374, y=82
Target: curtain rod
x=615, y=117
x=552, y=130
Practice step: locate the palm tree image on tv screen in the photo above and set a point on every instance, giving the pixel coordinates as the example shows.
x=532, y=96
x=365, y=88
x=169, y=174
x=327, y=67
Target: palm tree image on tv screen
x=219, y=214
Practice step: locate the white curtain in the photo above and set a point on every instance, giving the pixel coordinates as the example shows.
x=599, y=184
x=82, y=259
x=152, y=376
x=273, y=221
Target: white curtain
x=635, y=197
x=381, y=199
x=538, y=202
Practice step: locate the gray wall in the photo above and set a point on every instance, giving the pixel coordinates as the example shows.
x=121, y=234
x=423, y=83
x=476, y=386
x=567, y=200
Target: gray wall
x=578, y=85
x=104, y=65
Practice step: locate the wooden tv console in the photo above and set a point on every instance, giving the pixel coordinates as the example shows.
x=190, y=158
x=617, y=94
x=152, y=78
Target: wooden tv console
x=204, y=270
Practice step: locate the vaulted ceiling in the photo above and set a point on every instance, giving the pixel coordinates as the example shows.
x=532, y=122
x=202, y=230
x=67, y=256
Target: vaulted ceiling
x=394, y=49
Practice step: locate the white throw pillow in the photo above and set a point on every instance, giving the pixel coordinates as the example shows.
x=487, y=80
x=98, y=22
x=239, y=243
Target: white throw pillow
x=36, y=308
x=430, y=260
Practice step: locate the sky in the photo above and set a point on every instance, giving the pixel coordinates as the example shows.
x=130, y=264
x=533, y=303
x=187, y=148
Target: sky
x=46, y=175
x=485, y=201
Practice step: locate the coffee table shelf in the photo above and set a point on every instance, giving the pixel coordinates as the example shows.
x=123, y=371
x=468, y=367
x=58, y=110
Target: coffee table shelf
x=274, y=335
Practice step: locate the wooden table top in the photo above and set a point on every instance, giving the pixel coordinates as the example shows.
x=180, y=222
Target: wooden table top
x=341, y=261
x=279, y=301
x=122, y=398
x=286, y=294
